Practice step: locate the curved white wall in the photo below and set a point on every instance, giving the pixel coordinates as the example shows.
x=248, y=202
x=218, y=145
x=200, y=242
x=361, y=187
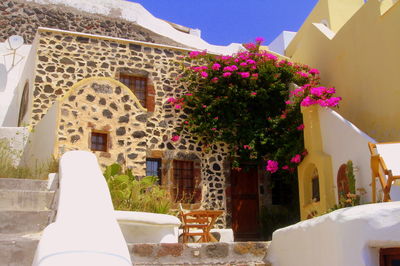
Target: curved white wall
x=346, y=237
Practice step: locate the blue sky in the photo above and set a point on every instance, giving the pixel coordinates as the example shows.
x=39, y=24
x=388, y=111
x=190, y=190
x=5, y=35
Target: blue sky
x=224, y=21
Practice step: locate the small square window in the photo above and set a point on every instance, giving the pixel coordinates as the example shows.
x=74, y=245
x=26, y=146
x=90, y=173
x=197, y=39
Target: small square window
x=153, y=168
x=99, y=141
x=138, y=85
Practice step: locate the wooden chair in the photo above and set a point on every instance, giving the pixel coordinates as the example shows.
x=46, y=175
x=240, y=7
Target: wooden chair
x=198, y=223
x=385, y=165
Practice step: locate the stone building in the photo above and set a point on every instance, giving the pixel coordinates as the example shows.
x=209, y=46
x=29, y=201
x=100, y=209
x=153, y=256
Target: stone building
x=100, y=83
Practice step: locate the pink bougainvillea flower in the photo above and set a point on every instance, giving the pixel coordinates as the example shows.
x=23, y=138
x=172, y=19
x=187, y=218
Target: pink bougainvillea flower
x=244, y=74
x=204, y=106
x=314, y=71
x=194, y=54
x=226, y=74
x=307, y=101
x=178, y=106
x=214, y=80
x=171, y=100
x=250, y=46
x=318, y=91
x=288, y=102
x=296, y=159
x=214, y=129
x=253, y=93
x=246, y=147
x=243, y=64
x=175, y=138
x=272, y=57
x=204, y=74
x=230, y=68
x=302, y=74
x=300, y=127
x=331, y=90
x=285, y=167
x=333, y=101
x=226, y=57
x=216, y=66
x=234, y=68
x=260, y=40
x=272, y=166
x=251, y=61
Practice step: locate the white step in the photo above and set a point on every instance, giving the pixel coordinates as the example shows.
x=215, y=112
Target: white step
x=25, y=200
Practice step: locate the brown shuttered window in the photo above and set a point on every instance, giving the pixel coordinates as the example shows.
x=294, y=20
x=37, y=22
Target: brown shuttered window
x=137, y=85
x=184, y=181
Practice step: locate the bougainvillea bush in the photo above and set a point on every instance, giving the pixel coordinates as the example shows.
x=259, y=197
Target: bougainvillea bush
x=251, y=101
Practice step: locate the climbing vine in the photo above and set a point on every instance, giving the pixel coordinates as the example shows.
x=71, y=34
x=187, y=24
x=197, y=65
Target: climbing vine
x=251, y=101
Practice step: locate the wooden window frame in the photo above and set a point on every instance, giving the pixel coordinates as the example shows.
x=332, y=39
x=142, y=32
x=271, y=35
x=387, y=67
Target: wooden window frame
x=103, y=134
x=23, y=105
x=159, y=172
x=131, y=85
x=387, y=255
x=181, y=188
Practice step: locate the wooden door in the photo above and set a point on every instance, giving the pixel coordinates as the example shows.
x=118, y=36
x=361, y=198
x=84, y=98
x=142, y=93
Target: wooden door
x=245, y=210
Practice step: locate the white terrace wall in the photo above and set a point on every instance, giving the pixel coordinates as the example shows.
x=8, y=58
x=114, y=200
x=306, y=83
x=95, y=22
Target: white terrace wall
x=331, y=141
x=343, y=141
x=42, y=139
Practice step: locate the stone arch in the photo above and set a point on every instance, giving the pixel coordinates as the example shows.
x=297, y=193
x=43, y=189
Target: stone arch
x=103, y=79
x=104, y=105
x=23, y=107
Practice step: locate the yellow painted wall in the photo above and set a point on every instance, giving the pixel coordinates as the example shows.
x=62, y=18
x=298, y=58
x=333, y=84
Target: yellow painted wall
x=361, y=61
x=335, y=12
x=316, y=158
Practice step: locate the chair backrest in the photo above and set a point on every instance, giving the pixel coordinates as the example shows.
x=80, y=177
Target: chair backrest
x=390, y=153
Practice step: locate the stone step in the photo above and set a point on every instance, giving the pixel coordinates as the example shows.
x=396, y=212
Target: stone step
x=22, y=222
x=17, y=250
x=28, y=200
x=23, y=184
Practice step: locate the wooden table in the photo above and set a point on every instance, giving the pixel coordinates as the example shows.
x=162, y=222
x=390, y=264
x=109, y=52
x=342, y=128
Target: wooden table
x=203, y=220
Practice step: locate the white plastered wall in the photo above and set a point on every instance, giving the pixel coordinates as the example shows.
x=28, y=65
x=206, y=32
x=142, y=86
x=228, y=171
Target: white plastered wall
x=9, y=96
x=42, y=138
x=345, y=237
x=343, y=141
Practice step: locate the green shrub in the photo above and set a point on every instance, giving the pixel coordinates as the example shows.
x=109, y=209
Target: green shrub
x=131, y=194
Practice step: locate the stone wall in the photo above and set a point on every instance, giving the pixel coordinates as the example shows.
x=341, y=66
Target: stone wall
x=23, y=18
x=239, y=253
x=97, y=101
